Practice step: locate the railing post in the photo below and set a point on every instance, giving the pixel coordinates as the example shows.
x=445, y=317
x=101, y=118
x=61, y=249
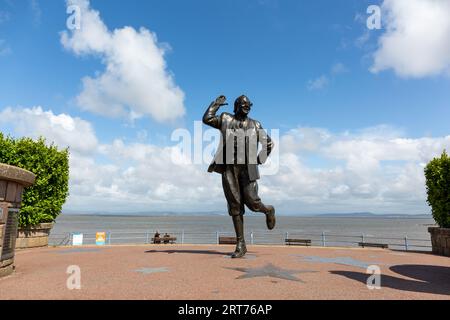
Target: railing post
x=251, y=237
x=217, y=237
x=182, y=236
x=323, y=239
x=147, y=237
x=362, y=238
x=109, y=237
x=406, y=242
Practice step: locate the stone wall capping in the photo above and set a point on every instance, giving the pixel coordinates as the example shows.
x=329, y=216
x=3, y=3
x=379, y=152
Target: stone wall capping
x=15, y=174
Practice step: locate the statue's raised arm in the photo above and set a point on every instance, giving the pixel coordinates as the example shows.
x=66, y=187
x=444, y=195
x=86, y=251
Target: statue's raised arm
x=210, y=118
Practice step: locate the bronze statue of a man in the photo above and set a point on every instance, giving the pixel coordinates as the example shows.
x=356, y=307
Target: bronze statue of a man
x=237, y=161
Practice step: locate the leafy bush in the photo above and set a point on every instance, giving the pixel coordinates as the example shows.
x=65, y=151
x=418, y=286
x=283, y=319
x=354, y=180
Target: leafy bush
x=437, y=174
x=43, y=201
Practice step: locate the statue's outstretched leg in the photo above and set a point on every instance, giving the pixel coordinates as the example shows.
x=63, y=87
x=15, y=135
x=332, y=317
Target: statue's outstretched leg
x=254, y=203
x=270, y=217
x=241, y=249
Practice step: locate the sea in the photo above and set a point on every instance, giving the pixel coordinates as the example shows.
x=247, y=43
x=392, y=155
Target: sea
x=398, y=232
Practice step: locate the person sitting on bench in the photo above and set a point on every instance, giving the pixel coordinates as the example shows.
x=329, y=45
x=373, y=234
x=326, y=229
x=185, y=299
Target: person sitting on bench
x=156, y=238
x=166, y=238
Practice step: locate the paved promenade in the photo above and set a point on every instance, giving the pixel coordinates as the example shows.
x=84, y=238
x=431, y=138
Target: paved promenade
x=208, y=272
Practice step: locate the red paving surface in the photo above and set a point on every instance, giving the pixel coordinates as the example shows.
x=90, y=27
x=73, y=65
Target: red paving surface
x=206, y=272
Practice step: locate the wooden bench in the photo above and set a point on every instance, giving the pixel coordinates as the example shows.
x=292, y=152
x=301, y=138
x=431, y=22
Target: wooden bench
x=227, y=240
x=164, y=240
x=373, y=245
x=293, y=242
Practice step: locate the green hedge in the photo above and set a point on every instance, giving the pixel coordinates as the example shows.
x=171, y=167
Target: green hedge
x=44, y=200
x=437, y=174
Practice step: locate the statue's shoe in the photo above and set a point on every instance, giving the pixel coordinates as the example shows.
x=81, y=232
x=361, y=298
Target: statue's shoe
x=270, y=218
x=240, y=251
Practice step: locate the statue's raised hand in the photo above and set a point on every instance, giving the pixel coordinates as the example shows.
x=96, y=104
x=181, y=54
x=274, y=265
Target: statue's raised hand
x=221, y=101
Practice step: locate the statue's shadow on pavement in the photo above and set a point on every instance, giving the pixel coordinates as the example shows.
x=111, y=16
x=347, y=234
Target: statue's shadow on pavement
x=428, y=278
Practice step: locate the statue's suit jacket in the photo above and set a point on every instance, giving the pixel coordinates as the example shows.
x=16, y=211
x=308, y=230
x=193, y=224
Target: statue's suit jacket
x=227, y=121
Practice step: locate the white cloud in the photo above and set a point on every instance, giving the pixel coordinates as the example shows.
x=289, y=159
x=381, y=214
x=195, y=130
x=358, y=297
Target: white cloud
x=62, y=129
x=375, y=169
x=141, y=177
x=149, y=172
x=135, y=82
x=325, y=79
x=116, y=176
x=416, y=42
x=318, y=83
x=311, y=139
x=338, y=68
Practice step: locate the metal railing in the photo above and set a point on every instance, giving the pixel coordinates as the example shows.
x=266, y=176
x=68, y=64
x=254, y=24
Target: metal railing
x=259, y=237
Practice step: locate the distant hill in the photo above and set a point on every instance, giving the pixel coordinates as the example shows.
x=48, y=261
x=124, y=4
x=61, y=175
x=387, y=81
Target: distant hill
x=218, y=213
x=152, y=213
x=372, y=215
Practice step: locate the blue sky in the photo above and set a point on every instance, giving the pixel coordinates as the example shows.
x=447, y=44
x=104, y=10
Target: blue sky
x=305, y=64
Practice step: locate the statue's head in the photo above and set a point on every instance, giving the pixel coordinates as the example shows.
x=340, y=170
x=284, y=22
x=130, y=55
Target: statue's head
x=243, y=105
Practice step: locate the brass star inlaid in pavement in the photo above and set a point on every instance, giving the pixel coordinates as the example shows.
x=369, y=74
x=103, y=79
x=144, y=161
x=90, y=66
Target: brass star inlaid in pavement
x=270, y=270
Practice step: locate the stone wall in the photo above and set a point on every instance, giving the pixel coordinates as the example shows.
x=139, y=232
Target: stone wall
x=13, y=180
x=440, y=240
x=10, y=199
x=6, y=267
x=34, y=237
